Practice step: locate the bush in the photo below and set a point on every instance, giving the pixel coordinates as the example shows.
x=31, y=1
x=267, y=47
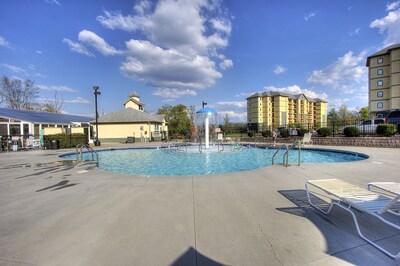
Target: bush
x=266, y=133
x=351, y=132
x=66, y=140
x=324, y=131
x=250, y=134
x=386, y=130
x=301, y=132
x=285, y=133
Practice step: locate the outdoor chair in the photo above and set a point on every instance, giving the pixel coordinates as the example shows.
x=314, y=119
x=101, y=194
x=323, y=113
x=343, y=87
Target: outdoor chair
x=306, y=139
x=391, y=190
x=349, y=197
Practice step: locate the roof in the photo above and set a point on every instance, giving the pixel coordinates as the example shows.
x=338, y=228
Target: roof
x=384, y=51
x=43, y=117
x=134, y=94
x=129, y=115
x=289, y=95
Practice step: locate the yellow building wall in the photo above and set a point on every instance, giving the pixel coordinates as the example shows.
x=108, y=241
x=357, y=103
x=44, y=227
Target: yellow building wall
x=119, y=132
x=53, y=130
x=132, y=105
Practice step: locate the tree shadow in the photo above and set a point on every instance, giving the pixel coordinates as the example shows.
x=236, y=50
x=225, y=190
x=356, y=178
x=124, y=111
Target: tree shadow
x=193, y=257
x=340, y=232
x=58, y=186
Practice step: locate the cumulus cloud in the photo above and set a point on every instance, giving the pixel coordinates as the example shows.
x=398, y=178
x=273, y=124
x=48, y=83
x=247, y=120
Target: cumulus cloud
x=168, y=68
x=4, y=43
x=346, y=71
x=227, y=63
x=279, y=69
x=97, y=42
x=172, y=94
x=56, y=88
x=237, y=111
x=77, y=47
x=295, y=89
x=390, y=24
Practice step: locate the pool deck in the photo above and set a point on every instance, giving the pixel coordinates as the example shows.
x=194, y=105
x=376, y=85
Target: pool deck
x=77, y=214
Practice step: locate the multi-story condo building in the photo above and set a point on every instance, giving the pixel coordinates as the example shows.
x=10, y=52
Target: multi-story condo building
x=384, y=80
x=271, y=109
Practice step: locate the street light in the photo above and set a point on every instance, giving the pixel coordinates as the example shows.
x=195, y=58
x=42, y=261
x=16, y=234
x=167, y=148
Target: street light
x=96, y=92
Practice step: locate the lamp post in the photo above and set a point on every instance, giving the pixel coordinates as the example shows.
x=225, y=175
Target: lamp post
x=96, y=92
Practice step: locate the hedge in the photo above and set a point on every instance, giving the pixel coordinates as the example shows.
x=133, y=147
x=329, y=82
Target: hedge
x=66, y=140
x=324, y=131
x=266, y=133
x=386, y=130
x=351, y=132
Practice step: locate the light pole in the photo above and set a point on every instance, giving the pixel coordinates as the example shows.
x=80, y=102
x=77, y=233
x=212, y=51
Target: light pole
x=96, y=92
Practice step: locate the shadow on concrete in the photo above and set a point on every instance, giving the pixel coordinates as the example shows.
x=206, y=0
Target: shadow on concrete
x=58, y=186
x=342, y=239
x=193, y=257
x=54, y=167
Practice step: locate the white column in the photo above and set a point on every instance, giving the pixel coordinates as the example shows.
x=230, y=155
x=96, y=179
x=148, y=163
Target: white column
x=206, y=131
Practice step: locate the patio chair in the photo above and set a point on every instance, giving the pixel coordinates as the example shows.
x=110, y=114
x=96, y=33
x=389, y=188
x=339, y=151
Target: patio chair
x=350, y=197
x=391, y=190
x=306, y=139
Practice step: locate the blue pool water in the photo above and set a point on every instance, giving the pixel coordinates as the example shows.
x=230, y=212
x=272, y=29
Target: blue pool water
x=170, y=162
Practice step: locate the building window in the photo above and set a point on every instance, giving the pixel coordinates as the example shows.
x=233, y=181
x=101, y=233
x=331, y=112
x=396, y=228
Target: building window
x=380, y=82
x=380, y=60
x=380, y=94
x=379, y=105
x=380, y=71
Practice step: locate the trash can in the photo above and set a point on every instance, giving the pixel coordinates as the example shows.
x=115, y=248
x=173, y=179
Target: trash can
x=55, y=144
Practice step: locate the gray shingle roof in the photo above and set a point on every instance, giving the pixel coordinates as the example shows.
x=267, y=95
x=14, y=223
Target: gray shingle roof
x=129, y=115
x=383, y=52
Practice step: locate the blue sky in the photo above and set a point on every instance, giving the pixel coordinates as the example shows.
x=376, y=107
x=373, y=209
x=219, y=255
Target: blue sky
x=176, y=51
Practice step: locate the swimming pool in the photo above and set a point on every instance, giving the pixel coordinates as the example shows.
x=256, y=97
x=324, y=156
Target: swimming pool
x=173, y=162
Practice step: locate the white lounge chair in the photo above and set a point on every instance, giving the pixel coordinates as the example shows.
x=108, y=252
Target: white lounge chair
x=306, y=139
x=347, y=197
x=391, y=190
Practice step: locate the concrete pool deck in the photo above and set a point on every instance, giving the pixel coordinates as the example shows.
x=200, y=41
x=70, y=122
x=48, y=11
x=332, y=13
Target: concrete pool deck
x=77, y=214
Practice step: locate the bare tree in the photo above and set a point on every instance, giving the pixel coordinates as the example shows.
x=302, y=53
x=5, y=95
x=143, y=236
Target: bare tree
x=192, y=113
x=18, y=94
x=53, y=106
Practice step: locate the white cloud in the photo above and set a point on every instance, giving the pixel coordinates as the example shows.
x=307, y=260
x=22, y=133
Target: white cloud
x=234, y=116
x=168, y=68
x=77, y=47
x=346, y=71
x=78, y=100
x=241, y=104
x=39, y=52
x=354, y=32
x=390, y=24
x=279, y=69
x=309, y=15
x=295, y=89
x=171, y=94
x=97, y=42
x=56, y=88
x=245, y=94
x=15, y=69
x=115, y=20
x=227, y=63
x=54, y=2
x=4, y=43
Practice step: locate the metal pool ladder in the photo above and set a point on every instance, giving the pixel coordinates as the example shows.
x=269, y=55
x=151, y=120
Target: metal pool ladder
x=88, y=148
x=287, y=148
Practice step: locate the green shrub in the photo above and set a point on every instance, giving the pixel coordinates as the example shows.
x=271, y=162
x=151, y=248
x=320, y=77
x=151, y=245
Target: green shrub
x=301, y=132
x=324, y=131
x=386, y=130
x=66, y=140
x=266, y=133
x=285, y=133
x=250, y=134
x=351, y=132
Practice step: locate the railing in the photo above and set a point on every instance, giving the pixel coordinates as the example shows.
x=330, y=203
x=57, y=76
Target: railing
x=288, y=147
x=200, y=146
x=219, y=144
x=181, y=146
x=93, y=152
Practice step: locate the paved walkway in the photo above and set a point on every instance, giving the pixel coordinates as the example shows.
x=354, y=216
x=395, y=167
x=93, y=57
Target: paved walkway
x=68, y=214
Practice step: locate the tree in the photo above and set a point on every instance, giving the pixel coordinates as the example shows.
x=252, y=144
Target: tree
x=333, y=115
x=192, y=113
x=18, y=94
x=53, y=106
x=226, y=123
x=363, y=112
x=177, y=117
